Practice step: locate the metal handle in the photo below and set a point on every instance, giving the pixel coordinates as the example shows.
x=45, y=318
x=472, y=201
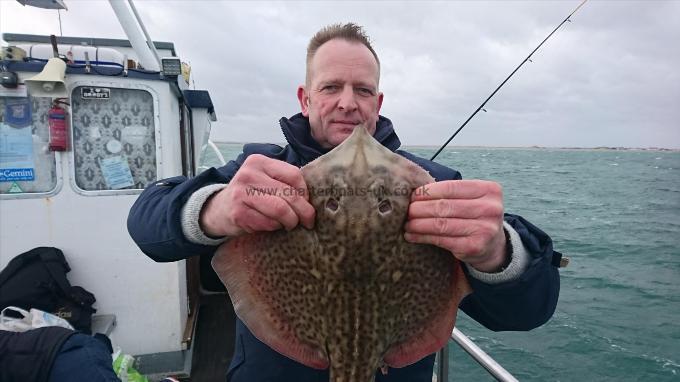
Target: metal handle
x=484, y=360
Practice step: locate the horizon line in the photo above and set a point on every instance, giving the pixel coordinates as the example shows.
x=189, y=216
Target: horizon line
x=649, y=148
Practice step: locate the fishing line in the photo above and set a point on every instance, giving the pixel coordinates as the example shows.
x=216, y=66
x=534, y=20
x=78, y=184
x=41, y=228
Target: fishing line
x=481, y=107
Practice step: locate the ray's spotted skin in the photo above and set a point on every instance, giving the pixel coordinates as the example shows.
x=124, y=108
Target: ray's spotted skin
x=350, y=295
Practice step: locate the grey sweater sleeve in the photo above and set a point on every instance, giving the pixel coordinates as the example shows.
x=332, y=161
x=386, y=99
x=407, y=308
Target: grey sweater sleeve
x=519, y=262
x=191, y=214
x=191, y=228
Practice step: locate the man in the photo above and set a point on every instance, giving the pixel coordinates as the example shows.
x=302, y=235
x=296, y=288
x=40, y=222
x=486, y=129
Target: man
x=508, y=260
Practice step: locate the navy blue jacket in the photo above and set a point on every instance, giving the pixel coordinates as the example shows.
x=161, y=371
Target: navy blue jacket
x=523, y=304
x=28, y=356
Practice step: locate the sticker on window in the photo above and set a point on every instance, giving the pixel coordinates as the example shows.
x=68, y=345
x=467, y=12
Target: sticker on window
x=135, y=134
x=18, y=113
x=95, y=93
x=15, y=189
x=16, y=153
x=116, y=172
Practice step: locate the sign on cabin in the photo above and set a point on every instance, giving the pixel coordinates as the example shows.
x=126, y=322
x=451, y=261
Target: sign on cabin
x=95, y=93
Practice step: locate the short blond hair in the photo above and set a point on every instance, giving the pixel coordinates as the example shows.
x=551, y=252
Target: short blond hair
x=349, y=32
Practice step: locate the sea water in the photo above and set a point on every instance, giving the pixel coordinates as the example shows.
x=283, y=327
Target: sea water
x=616, y=215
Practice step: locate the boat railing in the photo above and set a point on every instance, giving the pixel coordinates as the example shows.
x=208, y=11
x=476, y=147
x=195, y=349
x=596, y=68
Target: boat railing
x=484, y=360
x=218, y=154
x=217, y=151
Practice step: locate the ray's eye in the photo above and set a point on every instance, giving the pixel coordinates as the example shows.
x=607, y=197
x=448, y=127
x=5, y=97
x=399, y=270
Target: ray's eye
x=384, y=206
x=332, y=204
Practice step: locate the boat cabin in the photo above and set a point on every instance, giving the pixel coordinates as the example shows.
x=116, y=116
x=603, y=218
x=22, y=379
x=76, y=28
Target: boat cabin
x=77, y=149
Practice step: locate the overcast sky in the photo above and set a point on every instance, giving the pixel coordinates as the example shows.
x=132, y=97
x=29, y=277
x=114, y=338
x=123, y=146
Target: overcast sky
x=609, y=78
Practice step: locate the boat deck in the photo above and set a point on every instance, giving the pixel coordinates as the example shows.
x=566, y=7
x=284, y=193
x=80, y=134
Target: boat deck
x=214, y=345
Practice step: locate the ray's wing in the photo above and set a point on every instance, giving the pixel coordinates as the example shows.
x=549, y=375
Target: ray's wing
x=271, y=280
x=436, y=285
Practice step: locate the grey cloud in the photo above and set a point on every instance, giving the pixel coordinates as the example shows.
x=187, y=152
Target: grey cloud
x=608, y=78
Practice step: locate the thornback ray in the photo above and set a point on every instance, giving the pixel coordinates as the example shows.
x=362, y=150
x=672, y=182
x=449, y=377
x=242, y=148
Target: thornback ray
x=350, y=294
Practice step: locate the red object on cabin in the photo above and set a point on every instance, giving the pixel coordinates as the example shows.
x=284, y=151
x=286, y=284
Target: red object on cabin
x=57, y=120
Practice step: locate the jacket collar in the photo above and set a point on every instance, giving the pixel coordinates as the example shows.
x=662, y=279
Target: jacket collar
x=296, y=129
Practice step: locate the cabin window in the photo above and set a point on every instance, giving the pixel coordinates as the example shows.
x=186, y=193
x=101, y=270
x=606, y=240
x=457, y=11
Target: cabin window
x=26, y=164
x=114, y=142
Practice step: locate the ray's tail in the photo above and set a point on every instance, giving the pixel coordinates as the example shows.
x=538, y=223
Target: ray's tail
x=349, y=372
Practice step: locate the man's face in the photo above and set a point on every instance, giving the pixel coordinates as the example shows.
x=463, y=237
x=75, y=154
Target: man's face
x=342, y=92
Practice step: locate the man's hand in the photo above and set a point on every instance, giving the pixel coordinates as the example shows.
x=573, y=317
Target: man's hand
x=264, y=195
x=464, y=217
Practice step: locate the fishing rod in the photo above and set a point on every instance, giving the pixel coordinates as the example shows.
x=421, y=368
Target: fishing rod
x=481, y=107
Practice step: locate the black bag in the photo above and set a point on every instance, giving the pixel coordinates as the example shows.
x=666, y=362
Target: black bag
x=37, y=279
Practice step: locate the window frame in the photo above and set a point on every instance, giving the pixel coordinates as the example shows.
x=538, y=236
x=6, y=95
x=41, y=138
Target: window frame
x=157, y=136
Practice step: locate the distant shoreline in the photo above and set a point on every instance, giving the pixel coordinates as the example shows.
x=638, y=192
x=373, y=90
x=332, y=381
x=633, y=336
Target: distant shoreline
x=597, y=148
